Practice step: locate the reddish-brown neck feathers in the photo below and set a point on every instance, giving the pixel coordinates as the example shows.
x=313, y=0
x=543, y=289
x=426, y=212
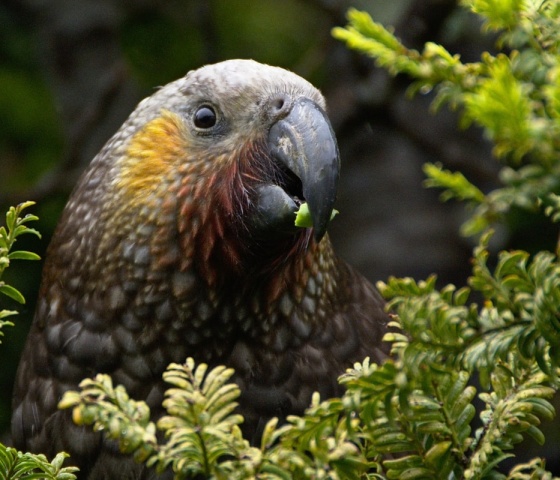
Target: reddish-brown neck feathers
x=211, y=193
x=215, y=213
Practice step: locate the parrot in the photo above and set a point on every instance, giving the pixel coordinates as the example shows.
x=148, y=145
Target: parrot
x=179, y=240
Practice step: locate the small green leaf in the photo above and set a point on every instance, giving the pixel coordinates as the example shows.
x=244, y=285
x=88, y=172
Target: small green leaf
x=436, y=454
x=303, y=216
x=12, y=293
x=23, y=255
x=455, y=184
x=407, y=461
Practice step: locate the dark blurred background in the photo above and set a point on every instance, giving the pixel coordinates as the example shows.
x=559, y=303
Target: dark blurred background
x=71, y=71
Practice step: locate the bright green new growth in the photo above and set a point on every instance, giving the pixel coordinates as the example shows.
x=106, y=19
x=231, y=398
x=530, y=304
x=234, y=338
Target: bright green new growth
x=514, y=97
x=203, y=435
x=14, y=228
x=17, y=465
x=14, y=464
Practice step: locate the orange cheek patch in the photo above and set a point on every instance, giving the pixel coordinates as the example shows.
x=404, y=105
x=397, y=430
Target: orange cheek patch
x=153, y=153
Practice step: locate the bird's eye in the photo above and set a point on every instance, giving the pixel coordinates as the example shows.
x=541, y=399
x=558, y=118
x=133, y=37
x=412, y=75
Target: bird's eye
x=205, y=117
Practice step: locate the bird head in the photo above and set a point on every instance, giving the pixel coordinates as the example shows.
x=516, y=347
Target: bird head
x=227, y=154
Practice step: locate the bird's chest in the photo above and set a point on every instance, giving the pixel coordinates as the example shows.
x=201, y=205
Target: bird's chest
x=174, y=316
x=155, y=306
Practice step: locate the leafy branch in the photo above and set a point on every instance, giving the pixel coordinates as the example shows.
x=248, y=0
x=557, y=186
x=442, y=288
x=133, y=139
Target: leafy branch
x=203, y=434
x=514, y=97
x=26, y=466
x=14, y=464
x=15, y=227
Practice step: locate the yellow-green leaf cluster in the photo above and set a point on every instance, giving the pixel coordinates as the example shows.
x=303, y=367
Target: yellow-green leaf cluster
x=14, y=228
x=513, y=95
x=16, y=465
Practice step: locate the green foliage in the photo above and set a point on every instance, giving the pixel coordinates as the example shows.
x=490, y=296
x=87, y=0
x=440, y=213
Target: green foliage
x=200, y=427
x=203, y=434
x=15, y=227
x=501, y=343
x=522, y=303
x=511, y=341
x=515, y=97
x=120, y=415
x=26, y=466
x=403, y=419
x=13, y=464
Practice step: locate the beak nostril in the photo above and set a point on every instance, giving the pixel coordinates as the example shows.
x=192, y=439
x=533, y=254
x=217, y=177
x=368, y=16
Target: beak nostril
x=278, y=106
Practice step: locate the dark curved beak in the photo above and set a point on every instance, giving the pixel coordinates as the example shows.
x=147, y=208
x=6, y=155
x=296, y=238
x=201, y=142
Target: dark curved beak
x=304, y=142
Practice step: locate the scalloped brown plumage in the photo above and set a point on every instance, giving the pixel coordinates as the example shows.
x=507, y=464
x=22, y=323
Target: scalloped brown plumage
x=179, y=241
